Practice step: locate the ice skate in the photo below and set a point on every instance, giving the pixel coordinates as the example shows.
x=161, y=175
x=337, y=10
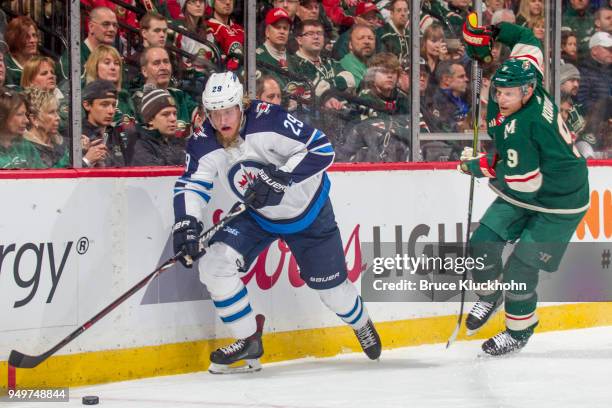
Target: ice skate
x=503, y=344
x=480, y=314
x=369, y=340
x=242, y=356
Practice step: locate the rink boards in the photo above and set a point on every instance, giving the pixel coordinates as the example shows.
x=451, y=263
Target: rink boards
x=73, y=241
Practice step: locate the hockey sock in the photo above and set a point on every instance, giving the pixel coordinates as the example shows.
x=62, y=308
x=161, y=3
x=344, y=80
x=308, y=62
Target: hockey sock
x=346, y=303
x=235, y=311
x=520, y=304
x=487, y=246
x=219, y=273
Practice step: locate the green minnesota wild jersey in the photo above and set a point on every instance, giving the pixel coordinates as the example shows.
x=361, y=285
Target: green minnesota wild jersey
x=13, y=71
x=323, y=75
x=21, y=154
x=64, y=66
x=538, y=166
x=395, y=42
x=270, y=56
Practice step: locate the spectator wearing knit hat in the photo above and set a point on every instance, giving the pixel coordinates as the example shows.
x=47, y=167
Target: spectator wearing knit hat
x=157, y=144
x=596, y=71
x=569, y=78
x=101, y=143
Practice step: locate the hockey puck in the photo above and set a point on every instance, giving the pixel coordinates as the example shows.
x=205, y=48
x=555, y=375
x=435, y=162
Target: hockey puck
x=91, y=400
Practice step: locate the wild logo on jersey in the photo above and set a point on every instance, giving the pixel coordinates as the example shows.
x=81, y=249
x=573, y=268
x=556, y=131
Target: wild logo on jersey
x=241, y=174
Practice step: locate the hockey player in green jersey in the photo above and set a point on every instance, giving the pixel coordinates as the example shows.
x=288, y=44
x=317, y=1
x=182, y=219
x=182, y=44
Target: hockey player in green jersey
x=539, y=178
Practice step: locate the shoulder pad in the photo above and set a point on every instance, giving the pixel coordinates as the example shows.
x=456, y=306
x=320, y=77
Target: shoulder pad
x=202, y=142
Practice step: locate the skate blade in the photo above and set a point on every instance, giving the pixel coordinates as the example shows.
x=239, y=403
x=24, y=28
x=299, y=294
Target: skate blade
x=469, y=332
x=485, y=356
x=248, y=366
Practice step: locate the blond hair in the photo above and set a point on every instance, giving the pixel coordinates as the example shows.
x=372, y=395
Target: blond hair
x=37, y=100
x=32, y=67
x=524, y=11
x=96, y=56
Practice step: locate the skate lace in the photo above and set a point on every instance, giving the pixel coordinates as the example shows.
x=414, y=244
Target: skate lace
x=366, y=336
x=481, y=309
x=233, y=348
x=504, y=340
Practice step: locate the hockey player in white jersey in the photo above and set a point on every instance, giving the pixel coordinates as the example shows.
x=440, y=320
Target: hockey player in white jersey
x=287, y=198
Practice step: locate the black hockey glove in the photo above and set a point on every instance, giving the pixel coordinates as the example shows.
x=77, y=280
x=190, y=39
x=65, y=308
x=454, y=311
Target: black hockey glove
x=268, y=188
x=186, y=236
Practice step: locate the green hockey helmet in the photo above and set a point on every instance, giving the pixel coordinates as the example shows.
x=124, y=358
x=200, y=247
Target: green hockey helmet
x=515, y=73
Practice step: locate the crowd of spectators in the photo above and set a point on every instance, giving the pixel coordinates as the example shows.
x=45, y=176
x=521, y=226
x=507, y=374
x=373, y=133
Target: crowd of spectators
x=343, y=65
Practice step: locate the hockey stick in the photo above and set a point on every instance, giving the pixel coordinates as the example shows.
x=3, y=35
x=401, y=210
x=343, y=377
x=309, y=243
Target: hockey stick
x=20, y=360
x=477, y=84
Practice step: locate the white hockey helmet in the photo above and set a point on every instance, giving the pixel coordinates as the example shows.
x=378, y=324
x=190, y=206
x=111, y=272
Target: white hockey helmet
x=223, y=90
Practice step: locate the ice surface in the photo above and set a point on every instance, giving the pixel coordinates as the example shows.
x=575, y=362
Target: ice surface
x=557, y=369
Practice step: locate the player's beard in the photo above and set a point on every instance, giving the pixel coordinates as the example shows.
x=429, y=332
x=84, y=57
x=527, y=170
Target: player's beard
x=230, y=141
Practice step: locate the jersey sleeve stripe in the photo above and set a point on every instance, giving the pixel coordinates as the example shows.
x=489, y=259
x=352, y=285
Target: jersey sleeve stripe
x=531, y=53
x=523, y=177
x=207, y=185
x=319, y=142
x=327, y=144
x=327, y=148
x=202, y=194
x=527, y=183
x=316, y=135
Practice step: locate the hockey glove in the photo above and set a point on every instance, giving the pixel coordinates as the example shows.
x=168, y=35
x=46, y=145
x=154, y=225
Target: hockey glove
x=186, y=237
x=478, y=39
x=268, y=188
x=479, y=166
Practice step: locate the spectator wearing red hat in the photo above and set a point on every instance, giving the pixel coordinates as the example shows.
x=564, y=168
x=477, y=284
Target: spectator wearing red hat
x=366, y=13
x=273, y=52
x=338, y=15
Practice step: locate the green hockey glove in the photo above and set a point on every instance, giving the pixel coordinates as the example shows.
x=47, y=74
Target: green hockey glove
x=479, y=166
x=478, y=39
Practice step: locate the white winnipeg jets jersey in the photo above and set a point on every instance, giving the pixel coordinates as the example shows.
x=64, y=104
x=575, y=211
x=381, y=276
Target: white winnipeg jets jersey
x=269, y=135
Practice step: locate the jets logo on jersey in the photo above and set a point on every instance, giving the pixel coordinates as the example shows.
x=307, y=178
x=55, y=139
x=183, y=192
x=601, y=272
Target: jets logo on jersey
x=263, y=108
x=199, y=133
x=241, y=174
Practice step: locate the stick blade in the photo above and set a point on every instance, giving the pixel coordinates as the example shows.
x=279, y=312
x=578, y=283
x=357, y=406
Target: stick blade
x=453, y=336
x=20, y=360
